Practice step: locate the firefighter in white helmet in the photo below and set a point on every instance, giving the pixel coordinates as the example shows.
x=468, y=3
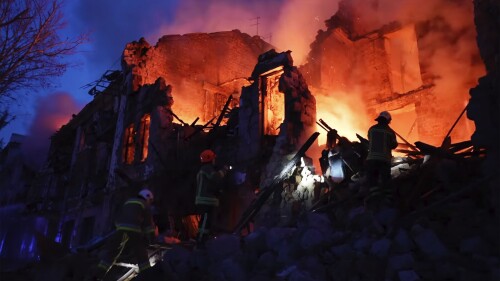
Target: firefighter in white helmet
x=135, y=229
x=382, y=140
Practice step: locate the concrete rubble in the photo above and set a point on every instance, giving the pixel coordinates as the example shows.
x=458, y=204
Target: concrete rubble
x=443, y=225
x=440, y=244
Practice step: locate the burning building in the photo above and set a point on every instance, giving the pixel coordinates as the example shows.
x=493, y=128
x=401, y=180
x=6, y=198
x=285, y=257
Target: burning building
x=253, y=105
x=132, y=134
x=397, y=62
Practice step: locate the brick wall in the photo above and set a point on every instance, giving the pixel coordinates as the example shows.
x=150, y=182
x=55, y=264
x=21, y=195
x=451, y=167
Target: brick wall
x=188, y=62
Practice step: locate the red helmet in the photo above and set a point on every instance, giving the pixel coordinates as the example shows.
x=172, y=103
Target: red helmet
x=207, y=156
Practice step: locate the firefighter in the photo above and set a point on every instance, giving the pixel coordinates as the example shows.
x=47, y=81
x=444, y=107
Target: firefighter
x=208, y=187
x=382, y=140
x=135, y=229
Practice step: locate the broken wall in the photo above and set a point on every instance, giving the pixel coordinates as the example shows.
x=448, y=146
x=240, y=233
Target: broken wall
x=273, y=128
x=203, y=68
x=362, y=54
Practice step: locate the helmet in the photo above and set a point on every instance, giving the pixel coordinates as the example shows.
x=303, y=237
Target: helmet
x=207, y=156
x=384, y=114
x=146, y=194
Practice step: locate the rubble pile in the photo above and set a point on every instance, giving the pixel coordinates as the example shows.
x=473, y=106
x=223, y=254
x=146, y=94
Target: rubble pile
x=451, y=236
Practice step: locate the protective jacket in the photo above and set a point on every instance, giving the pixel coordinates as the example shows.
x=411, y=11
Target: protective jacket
x=136, y=217
x=208, y=181
x=382, y=140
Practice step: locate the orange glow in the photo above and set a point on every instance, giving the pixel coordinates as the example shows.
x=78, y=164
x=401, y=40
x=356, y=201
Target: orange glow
x=445, y=55
x=274, y=102
x=144, y=135
x=129, y=145
x=288, y=25
x=344, y=112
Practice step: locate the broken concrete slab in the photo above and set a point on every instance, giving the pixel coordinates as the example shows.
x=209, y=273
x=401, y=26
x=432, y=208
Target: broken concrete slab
x=380, y=248
x=403, y=242
x=362, y=244
x=342, y=251
x=473, y=245
x=401, y=262
x=223, y=246
x=408, y=275
x=428, y=242
x=312, y=239
x=276, y=236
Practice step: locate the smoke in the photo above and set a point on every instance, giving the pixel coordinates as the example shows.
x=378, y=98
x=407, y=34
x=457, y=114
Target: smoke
x=446, y=40
x=222, y=15
x=51, y=112
x=446, y=43
x=288, y=25
x=298, y=23
x=344, y=112
x=447, y=49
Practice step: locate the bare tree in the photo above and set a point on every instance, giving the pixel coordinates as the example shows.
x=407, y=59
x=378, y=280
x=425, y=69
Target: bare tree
x=31, y=50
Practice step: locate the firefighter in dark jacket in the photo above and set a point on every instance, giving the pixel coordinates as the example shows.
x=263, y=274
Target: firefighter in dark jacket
x=382, y=140
x=135, y=229
x=208, y=187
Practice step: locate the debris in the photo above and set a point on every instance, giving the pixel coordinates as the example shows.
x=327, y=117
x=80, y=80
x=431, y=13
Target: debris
x=429, y=243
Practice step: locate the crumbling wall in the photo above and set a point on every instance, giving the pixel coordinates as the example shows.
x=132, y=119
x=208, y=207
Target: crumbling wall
x=161, y=158
x=368, y=66
x=299, y=110
x=198, y=66
x=380, y=61
x=350, y=65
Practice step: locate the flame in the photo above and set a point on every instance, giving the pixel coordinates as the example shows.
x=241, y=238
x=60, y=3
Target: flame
x=447, y=50
x=344, y=112
x=447, y=56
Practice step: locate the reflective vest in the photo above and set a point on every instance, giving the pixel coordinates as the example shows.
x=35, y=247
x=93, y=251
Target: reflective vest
x=382, y=140
x=135, y=216
x=207, y=180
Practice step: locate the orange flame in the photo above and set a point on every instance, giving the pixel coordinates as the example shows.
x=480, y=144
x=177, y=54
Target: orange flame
x=344, y=112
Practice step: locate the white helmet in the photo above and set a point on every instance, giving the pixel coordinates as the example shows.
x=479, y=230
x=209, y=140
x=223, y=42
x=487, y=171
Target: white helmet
x=384, y=114
x=146, y=194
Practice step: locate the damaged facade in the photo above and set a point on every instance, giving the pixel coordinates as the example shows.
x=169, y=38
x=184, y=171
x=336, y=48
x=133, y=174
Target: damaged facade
x=132, y=134
x=168, y=103
x=381, y=62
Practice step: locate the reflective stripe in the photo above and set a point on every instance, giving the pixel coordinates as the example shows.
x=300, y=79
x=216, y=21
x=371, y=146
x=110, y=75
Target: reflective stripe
x=106, y=265
x=379, y=144
x=201, y=200
x=128, y=227
x=135, y=201
x=144, y=266
x=202, y=230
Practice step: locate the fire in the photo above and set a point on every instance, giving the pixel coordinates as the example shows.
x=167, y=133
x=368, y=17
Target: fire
x=434, y=46
x=343, y=112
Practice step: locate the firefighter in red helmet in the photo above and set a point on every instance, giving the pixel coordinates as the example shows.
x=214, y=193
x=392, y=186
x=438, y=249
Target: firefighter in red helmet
x=208, y=187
